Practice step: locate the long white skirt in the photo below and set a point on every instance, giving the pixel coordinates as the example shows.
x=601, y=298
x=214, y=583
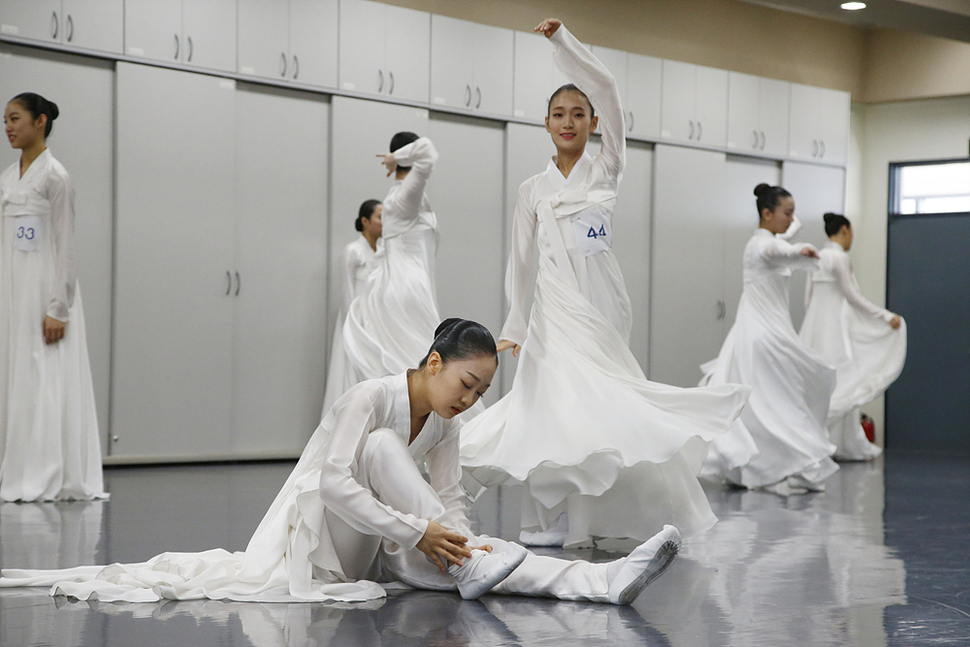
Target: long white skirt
x=782, y=431
x=587, y=433
x=49, y=445
x=868, y=355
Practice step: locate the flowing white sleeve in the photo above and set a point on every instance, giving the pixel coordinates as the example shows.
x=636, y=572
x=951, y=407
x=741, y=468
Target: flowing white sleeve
x=444, y=469
x=356, y=417
x=782, y=252
x=583, y=69
x=850, y=290
x=351, y=261
x=60, y=194
x=421, y=156
x=518, y=273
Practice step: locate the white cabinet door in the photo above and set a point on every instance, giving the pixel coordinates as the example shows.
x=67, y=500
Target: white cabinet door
x=744, y=129
x=95, y=24
x=280, y=322
x=679, y=91
x=263, y=35
x=171, y=387
x=533, y=76
x=616, y=62
x=833, y=125
x=362, y=46
x=209, y=34
x=710, y=106
x=773, y=114
x=83, y=141
x=37, y=19
x=470, y=266
x=686, y=327
x=803, y=128
x=407, y=35
x=643, y=95
x=313, y=42
x=493, y=65
x=153, y=29
x=453, y=53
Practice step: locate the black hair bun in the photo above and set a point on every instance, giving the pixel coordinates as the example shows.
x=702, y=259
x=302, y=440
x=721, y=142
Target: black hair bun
x=829, y=217
x=761, y=189
x=53, y=110
x=358, y=225
x=446, y=325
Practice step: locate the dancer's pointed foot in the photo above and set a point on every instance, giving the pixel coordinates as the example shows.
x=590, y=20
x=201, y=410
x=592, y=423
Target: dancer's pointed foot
x=482, y=570
x=630, y=575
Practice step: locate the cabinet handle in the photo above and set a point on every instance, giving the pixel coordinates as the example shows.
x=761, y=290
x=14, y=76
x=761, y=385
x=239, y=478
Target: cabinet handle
x=55, y=25
x=700, y=130
x=468, y=95
x=238, y=284
x=478, y=91
x=191, y=49
x=821, y=148
x=756, y=140
x=764, y=140
x=632, y=121
x=691, y=135
x=814, y=148
x=70, y=28
x=176, y=47
x=296, y=68
x=228, y=282
x=380, y=81
x=283, y=64
x=390, y=75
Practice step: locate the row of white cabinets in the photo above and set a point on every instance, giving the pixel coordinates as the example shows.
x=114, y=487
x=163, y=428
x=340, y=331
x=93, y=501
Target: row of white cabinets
x=386, y=51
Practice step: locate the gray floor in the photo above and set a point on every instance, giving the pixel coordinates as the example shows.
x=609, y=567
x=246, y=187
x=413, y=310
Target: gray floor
x=881, y=558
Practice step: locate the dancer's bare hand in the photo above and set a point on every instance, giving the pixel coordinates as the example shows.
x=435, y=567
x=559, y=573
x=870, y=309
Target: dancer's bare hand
x=549, y=26
x=810, y=252
x=443, y=546
x=387, y=159
x=505, y=344
x=53, y=330
x=896, y=322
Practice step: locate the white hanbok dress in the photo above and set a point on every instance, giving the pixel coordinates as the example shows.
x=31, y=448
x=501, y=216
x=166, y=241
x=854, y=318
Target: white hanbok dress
x=358, y=262
x=853, y=334
x=349, y=516
x=781, y=431
x=390, y=325
x=49, y=445
x=582, y=428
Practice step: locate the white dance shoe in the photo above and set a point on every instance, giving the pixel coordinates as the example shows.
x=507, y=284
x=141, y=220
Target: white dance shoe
x=554, y=536
x=482, y=570
x=630, y=575
x=798, y=481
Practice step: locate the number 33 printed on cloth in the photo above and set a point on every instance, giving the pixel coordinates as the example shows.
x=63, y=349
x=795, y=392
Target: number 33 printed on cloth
x=29, y=231
x=593, y=230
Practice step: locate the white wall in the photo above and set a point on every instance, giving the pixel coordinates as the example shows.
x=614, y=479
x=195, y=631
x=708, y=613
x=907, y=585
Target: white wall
x=880, y=134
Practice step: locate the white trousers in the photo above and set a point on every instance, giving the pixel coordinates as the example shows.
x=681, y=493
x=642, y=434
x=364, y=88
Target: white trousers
x=388, y=471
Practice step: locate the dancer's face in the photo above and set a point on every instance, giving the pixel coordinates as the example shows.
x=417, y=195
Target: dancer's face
x=456, y=385
x=373, y=225
x=779, y=220
x=569, y=121
x=21, y=128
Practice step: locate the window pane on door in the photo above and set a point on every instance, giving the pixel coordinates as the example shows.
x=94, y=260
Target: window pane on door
x=933, y=188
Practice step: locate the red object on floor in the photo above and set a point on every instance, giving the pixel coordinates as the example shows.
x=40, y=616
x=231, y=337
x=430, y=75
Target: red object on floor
x=869, y=427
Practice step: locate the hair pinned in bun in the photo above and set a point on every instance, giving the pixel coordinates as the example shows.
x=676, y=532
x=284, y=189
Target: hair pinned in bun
x=769, y=196
x=460, y=339
x=834, y=222
x=400, y=140
x=37, y=105
x=366, y=210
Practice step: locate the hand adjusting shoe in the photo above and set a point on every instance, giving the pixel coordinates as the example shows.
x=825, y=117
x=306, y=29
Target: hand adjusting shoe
x=630, y=575
x=482, y=570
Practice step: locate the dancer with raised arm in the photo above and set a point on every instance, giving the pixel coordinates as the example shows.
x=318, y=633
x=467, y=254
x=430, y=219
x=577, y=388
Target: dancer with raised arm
x=865, y=343
x=601, y=450
x=779, y=443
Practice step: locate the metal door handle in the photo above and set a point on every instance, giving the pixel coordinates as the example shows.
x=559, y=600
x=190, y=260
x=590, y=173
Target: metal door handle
x=764, y=139
x=390, y=90
x=822, y=146
x=238, y=284
x=700, y=130
x=632, y=121
x=283, y=64
x=691, y=135
x=176, y=47
x=55, y=25
x=478, y=91
x=380, y=82
x=191, y=48
x=296, y=67
x=70, y=28
x=468, y=95
x=756, y=140
x=228, y=282
x=814, y=148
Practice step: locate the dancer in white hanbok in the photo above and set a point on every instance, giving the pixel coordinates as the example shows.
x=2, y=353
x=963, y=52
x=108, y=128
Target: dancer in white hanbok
x=779, y=442
x=601, y=451
x=358, y=263
x=49, y=445
x=865, y=343
x=356, y=510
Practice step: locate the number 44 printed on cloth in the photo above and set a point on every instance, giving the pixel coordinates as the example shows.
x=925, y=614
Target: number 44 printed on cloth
x=593, y=231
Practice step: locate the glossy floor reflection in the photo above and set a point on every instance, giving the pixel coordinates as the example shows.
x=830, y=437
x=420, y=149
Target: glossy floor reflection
x=879, y=559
